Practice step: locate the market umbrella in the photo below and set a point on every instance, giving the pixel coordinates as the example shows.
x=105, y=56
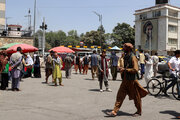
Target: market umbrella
x=115, y=48
x=62, y=50
x=25, y=48
x=8, y=46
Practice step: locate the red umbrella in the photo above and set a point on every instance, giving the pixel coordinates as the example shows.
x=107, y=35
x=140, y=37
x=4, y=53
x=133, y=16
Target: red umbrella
x=62, y=50
x=25, y=48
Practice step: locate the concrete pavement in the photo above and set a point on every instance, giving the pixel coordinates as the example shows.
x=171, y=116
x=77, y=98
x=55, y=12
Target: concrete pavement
x=79, y=99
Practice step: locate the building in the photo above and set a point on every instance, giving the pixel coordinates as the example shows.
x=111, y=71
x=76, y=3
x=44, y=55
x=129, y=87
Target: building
x=2, y=15
x=14, y=31
x=157, y=28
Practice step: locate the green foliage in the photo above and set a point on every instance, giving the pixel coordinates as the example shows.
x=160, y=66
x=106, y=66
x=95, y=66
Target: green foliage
x=123, y=33
x=93, y=38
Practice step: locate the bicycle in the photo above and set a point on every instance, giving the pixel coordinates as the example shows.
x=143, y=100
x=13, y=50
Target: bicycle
x=155, y=86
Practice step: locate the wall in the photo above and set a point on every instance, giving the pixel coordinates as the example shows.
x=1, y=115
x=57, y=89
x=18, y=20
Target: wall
x=2, y=13
x=137, y=34
x=7, y=40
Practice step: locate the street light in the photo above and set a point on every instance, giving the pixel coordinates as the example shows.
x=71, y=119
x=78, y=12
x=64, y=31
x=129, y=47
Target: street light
x=100, y=20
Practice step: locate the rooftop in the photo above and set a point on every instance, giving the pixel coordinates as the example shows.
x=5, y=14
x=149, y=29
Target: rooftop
x=158, y=6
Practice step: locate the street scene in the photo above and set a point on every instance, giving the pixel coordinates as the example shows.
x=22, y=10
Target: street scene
x=89, y=60
x=78, y=99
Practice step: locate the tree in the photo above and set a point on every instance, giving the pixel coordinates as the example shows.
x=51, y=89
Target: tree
x=123, y=33
x=93, y=38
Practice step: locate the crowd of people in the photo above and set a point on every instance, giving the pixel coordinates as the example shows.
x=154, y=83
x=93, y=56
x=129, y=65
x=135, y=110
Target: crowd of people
x=20, y=65
x=16, y=66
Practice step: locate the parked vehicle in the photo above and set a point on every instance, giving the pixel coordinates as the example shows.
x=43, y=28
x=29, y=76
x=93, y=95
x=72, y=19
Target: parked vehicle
x=162, y=64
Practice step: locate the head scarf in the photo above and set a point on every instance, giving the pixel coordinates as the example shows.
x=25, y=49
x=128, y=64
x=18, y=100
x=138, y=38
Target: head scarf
x=29, y=60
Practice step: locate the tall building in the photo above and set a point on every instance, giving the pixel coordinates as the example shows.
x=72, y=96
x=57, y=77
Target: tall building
x=157, y=28
x=2, y=14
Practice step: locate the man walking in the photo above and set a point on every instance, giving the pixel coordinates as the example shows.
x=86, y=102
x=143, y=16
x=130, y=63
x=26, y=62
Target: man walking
x=16, y=61
x=114, y=64
x=103, y=72
x=86, y=64
x=77, y=63
x=94, y=64
x=68, y=64
x=130, y=85
x=142, y=63
x=49, y=65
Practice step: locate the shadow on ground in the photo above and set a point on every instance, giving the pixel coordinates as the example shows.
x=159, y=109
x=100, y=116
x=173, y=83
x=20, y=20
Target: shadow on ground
x=89, y=79
x=171, y=112
x=162, y=96
x=120, y=113
x=94, y=90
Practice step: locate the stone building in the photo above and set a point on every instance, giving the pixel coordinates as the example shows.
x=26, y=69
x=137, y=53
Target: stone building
x=2, y=15
x=157, y=28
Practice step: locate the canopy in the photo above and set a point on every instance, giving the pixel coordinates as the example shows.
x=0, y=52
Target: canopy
x=8, y=46
x=115, y=48
x=25, y=48
x=62, y=50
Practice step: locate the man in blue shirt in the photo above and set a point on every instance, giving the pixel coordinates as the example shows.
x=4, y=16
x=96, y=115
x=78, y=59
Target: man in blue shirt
x=94, y=64
x=114, y=63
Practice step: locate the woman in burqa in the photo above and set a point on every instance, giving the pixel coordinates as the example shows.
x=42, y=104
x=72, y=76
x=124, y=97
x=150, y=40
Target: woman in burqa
x=37, y=70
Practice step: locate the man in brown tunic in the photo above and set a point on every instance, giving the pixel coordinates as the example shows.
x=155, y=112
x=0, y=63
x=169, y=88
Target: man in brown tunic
x=130, y=85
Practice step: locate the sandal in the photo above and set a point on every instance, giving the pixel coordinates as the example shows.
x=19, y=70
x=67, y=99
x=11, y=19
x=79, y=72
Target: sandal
x=112, y=114
x=136, y=114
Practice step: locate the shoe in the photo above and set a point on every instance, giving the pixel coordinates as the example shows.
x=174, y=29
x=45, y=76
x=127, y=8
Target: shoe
x=108, y=90
x=112, y=114
x=101, y=90
x=136, y=114
x=61, y=84
x=17, y=89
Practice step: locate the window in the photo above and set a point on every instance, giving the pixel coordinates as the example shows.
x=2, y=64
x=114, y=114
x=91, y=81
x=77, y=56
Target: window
x=172, y=28
x=173, y=14
x=156, y=13
x=172, y=20
x=172, y=41
x=143, y=16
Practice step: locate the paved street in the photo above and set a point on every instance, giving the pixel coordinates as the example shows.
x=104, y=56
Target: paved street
x=79, y=99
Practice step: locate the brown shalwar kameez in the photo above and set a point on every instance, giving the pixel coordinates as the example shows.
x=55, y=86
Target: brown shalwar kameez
x=131, y=88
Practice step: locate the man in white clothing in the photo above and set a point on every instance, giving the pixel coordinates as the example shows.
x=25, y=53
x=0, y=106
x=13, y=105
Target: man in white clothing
x=174, y=65
x=155, y=64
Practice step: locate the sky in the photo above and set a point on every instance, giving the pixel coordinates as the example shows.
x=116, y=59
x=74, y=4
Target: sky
x=77, y=15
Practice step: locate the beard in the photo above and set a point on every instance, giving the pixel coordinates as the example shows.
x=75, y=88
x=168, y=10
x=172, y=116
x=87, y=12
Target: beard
x=126, y=51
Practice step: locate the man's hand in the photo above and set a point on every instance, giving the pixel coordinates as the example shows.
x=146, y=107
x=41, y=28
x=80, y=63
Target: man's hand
x=102, y=71
x=122, y=69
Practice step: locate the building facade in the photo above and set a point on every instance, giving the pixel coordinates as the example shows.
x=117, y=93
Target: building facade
x=157, y=28
x=2, y=15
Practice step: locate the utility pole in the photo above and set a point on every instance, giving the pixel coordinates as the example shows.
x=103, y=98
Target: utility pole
x=29, y=21
x=7, y=25
x=34, y=29
x=100, y=20
x=43, y=27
